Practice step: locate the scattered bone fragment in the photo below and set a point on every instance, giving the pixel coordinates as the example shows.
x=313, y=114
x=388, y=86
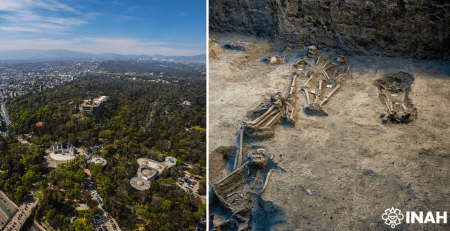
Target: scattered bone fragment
x=273, y=60
x=276, y=59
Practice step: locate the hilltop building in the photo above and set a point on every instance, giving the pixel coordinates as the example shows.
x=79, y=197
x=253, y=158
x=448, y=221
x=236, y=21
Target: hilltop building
x=94, y=105
x=148, y=170
x=186, y=104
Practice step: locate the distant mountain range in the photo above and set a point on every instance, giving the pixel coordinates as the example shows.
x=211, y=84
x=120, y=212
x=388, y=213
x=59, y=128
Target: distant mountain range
x=70, y=55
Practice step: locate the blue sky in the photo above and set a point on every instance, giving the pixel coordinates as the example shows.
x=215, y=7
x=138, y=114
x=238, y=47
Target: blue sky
x=166, y=27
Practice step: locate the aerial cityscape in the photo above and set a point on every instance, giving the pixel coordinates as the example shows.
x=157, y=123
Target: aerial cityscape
x=66, y=136
x=103, y=115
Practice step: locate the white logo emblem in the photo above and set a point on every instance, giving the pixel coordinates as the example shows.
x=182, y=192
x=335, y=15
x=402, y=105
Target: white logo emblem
x=392, y=217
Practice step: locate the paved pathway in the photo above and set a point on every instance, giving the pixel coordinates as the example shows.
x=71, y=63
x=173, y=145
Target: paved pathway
x=23, y=141
x=7, y=209
x=21, y=216
x=103, y=217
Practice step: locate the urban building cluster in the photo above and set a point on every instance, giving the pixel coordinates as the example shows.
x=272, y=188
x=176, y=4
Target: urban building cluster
x=150, y=169
x=19, y=79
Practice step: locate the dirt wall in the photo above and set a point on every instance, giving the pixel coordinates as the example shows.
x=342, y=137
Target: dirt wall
x=404, y=28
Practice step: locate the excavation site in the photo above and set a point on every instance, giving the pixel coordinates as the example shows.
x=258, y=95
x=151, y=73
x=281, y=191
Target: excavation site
x=329, y=115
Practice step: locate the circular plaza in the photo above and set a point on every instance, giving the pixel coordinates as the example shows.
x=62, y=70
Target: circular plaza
x=140, y=183
x=99, y=160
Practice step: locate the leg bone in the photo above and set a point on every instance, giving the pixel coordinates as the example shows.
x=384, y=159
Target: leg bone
x=263, y=116
x=272, y=120
x=331, y=94
x=320, y=91
x=307, y=96
x=241, y=146
x=258, y=105
x=267, y=181
x=388, y=99
x=267, y=117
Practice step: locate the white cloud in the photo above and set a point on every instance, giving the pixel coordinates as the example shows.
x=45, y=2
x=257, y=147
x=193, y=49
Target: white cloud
x=123, y=46
x=133, y=8
x=17, y=28
x=21, y=21
x=117, y=3
x=31, y=16
x=18, y=5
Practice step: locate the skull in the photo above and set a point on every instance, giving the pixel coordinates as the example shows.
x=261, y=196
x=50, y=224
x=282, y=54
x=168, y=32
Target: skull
x=258, y=158
x=278, y=99
x=341, y=59
x=312, y=52
x=273, y=60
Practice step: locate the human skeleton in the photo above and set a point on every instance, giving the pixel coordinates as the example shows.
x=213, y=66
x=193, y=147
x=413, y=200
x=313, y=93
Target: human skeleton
x=250, y=178
x=240, y=188
x=320, y=74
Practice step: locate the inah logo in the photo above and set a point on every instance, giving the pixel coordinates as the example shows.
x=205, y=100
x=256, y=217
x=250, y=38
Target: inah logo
x=392, y=217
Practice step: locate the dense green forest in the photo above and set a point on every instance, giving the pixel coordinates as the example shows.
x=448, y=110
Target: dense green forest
x=21, y=167
x=124, y=120
x=142, y=119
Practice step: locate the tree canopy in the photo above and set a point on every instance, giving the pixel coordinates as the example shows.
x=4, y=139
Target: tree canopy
x=141, y=119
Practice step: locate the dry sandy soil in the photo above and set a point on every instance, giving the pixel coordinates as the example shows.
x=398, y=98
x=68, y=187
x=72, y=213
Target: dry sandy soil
x=354, y=166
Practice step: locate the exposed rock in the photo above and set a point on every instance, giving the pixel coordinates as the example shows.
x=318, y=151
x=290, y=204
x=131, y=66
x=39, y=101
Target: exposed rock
x=251, y=50
x=214, y=49
x=406, y=28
